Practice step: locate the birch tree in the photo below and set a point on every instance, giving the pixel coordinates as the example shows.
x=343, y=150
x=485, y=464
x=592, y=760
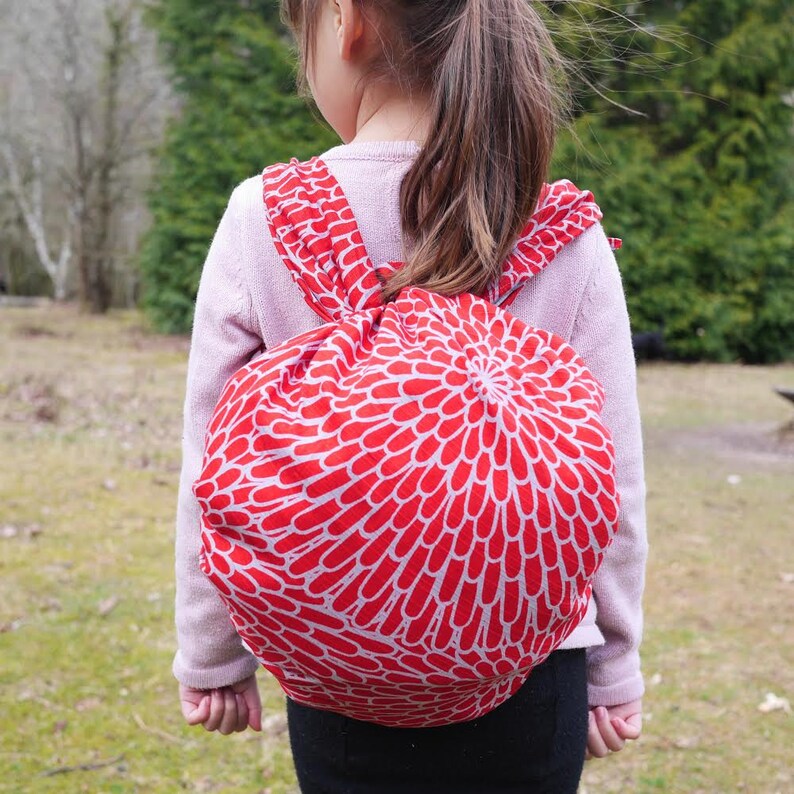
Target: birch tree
x=30, y=201
x=83, y=105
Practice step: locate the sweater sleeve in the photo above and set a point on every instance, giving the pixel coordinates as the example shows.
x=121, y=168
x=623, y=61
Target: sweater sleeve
x=602, y=337
x=210, y=653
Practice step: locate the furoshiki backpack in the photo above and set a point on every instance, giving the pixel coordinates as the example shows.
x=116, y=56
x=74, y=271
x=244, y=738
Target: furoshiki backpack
x=404, y=508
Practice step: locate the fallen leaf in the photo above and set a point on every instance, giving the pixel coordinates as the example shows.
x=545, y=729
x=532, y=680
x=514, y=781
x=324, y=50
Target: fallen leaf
x=86, y=704
x=774, y=703
x=656, y=679
x=9, y=531
x=11, y=625
x=733, y=479
x=51, y=605
x=787, y=578
x=106, y=606
x=109, y=485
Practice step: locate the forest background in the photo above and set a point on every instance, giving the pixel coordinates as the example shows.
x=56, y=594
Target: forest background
x=125, y=125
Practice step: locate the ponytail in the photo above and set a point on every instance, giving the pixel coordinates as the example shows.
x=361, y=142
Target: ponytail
x=489, y=68
x=477, y=180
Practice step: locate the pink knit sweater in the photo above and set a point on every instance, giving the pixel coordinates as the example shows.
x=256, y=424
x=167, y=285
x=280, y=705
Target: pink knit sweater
x=247, y=302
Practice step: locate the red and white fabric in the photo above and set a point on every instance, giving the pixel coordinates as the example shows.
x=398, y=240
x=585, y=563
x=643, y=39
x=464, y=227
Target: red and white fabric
x=404, y=508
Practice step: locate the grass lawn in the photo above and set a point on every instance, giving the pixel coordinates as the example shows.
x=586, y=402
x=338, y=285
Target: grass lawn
x=89, y=461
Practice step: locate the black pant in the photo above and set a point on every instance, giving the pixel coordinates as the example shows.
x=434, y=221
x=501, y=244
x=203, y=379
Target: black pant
x=532, y=744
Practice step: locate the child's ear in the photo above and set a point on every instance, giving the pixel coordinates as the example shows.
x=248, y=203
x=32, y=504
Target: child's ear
x=349, y=25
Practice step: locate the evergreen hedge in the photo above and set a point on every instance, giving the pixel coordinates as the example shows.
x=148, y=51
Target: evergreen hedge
x=694, y=168
x=233, y=70
x=683, y=130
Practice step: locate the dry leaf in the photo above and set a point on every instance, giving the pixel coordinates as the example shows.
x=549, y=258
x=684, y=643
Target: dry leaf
x=86, y=704
x=774, y=703
x=106, y=606
x=51, y=605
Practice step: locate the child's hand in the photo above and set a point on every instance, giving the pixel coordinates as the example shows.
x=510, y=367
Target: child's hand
x=228, y=709
x=611, y=727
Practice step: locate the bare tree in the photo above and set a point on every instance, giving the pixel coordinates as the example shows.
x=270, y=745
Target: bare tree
x=83, y=103
x=31, y=206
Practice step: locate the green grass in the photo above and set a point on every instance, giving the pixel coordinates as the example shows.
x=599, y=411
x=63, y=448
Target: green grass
x=89, y=460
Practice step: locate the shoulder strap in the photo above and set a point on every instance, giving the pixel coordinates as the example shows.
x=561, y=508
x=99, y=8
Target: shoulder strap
x=562, y=214
x=316, y=235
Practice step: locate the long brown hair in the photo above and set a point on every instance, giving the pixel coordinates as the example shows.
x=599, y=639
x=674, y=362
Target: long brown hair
x=493, y=77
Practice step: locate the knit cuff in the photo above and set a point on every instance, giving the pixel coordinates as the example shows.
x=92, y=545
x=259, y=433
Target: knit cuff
x=214, y=677
x=616, y=694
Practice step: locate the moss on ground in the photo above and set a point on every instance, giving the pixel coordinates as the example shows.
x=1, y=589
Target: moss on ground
x=89, y=457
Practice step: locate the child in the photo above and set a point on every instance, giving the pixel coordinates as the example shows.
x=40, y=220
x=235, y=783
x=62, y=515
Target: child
x=448, y=112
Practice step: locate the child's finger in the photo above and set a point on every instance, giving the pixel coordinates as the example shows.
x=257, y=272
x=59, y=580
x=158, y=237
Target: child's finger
x=608, y=733
x=242, y=713
x=213, y=722
x=595, y=743
x=253, y=703
x=254, y=706
x=255, y=717
x=229, y=722
x=195, y=714
x=626, y=728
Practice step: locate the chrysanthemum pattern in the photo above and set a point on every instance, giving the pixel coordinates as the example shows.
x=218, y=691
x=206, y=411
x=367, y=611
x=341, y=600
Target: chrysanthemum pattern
x=404, y=508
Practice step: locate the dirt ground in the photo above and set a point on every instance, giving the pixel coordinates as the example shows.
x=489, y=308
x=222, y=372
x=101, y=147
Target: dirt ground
x=90, y=431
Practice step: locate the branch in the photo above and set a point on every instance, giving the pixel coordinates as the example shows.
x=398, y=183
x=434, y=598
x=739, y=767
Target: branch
x=62, y=770
x=155, y=731
x=33, y=216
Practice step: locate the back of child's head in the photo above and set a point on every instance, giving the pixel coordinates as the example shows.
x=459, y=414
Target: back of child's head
x=489, y=71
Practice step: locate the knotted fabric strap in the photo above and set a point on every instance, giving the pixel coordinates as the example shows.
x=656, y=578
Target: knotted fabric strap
x=315, y=233
x=562, y=214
